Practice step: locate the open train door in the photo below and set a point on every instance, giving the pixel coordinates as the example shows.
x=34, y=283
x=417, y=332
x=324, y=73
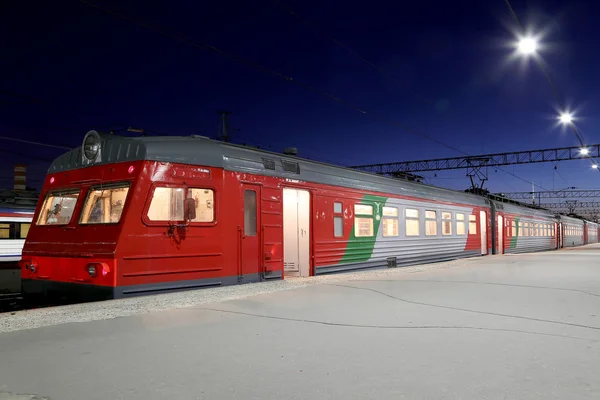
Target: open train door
x=296, y=232
x=483, y=231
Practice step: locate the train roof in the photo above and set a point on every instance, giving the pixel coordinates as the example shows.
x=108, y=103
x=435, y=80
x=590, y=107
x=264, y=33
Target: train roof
x=200, y=150
x=18, y=199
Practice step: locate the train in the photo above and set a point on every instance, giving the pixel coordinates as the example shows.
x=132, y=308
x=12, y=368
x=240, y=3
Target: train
x=127, y=216
x=15, y=222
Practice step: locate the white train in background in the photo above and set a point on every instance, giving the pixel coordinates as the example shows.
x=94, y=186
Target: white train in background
x=14, y=226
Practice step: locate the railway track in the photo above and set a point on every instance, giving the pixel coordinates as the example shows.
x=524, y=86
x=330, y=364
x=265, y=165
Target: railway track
x=11, y=302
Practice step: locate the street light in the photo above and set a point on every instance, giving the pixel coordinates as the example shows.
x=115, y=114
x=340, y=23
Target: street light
x=565, y=118
x=527, y=45
x=595, y=166
x=584, y=152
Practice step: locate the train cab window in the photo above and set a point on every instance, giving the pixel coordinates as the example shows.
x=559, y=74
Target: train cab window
x=104, y=205
x=363, y=220
x=166, y=204
x=412, y=222
x=4, y=231
x=338, y=220
x=472, y=224
x=460, y=224
x=446, y=223
x=205, y=204
x=390, y=221
x=430, y=223
x=58, y=208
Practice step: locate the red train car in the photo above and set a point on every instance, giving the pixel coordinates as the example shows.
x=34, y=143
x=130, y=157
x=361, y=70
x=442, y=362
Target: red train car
x=121, y=216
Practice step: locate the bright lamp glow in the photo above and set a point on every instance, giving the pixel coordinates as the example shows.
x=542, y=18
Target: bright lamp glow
x=527, y=45
x=584, y=152
x=565, y=118
x=595, y=166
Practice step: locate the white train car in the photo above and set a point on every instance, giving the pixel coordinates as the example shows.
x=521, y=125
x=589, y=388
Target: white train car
x=14, y=226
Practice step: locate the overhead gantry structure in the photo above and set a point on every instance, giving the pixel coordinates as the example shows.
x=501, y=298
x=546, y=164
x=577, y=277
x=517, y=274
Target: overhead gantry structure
x=476, y=166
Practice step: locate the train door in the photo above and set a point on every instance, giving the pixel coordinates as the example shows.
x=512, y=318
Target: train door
x=560, y=235
x=296, y=232
x=557, y=235
x=500, y=249
x=250, y=257
x=483, y=230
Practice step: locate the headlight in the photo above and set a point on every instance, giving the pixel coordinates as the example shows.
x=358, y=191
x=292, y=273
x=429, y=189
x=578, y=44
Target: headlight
x=91, y=145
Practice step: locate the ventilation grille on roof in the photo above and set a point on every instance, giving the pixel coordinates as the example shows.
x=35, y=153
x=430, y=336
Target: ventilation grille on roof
x=269, y=163
x=289, y=166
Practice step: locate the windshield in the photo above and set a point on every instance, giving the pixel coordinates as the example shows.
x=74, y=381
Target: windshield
x=58, y=208
x=104, y=205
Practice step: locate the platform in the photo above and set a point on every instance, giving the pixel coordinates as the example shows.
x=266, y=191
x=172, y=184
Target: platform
x=497, y=327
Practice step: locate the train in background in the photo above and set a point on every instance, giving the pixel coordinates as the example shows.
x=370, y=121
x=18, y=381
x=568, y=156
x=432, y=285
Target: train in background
x=122, y=216
x=16, y=211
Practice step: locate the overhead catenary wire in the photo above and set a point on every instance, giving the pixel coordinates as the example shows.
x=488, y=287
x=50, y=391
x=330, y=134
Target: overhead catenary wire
x=306, y=22
x=184, y=39
x=546, y=74
x=205, y=46
x=380, y=70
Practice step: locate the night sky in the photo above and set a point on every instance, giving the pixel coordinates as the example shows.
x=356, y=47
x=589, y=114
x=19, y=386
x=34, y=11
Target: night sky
x=68, y=68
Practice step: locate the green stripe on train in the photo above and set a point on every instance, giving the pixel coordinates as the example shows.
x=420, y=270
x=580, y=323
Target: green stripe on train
x=515, y=235
x=360, y=249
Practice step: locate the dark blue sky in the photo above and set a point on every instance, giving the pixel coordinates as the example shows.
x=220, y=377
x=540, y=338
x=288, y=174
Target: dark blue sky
x=91, y=70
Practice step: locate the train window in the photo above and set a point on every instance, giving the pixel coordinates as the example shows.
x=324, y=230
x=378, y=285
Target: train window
x=338, y=227
x=412, y=222
x=446, y=223
x=472, y=224
x=513, y=227
x=249, y=212
x=4, y=231
x=363, y=209
x=24, y=231
x=166, y=204
x=363, y=225
x=430, y=223
x=390, y=212
x=390, y=227
x=521, y=228
x=390, y=221
x=58, y=208
x=338, y=220
x=337, y=208
x=205, y=204
x=104, y=205
x=526, y=229
x=460, y=224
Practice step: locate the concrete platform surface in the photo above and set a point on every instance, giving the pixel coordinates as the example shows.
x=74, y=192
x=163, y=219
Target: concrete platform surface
x=501, y=327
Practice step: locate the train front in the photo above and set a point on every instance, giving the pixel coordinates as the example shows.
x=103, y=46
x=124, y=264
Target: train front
x=70, y=251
